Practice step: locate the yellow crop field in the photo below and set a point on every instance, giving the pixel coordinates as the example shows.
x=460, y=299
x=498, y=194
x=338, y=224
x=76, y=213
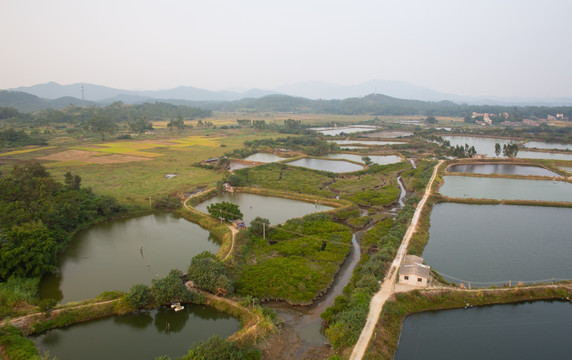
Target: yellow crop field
x=25, y=151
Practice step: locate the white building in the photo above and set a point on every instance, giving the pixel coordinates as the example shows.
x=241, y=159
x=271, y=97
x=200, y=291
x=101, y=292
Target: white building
x=413, y=272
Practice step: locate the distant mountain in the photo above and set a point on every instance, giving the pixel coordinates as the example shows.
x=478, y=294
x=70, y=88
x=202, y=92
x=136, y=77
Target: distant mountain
x=26, y=102
x=98, y=93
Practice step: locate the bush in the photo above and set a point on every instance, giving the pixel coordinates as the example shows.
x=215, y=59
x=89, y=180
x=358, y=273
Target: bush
x=209, y=273
x=139, y=296
x=216, y=348
x=15, y=345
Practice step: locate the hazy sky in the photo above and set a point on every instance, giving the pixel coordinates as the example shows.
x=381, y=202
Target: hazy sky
x=476, y=47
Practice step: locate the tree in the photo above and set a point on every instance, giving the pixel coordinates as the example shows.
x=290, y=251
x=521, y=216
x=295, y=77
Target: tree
x=170, y=288
x=178, y=123
x=497, y=149
x=139, y=296
x=71, y=181
x=140, y=126
x=367, y=161
x=510, y=150
x=431, y=119
x=102, y=124
x=209, y=273
x=225, y=210
x=258, y=225
x=259, y=124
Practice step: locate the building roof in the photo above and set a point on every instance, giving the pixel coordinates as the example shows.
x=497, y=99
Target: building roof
x=415, y=269
x=412, y=259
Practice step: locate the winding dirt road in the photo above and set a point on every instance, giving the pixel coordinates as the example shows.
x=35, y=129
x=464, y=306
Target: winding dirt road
x=388, y=286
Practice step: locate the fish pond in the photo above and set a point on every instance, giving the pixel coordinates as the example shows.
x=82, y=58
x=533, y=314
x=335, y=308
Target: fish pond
x=484, y=146
x=506, y=189
x=264, y=157
x=337, y=166
x=377, y=159
x=333, y=131
x=139, y=335
x=539, y=330
x=118, y=254
x=545, y=145
x=565, y=168
x=543, y=155
x=277, y=210
x=492, y=244
x=507, y=169
x=367, y=142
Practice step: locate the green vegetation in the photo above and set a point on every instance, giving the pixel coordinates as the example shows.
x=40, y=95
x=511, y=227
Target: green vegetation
x=258, y=226
x=171, y=288
x=216, y=348
x=384, y=196
x=209, y=273
x=298, y=262
x=139, y=296
x=16, y=346
x=225, y=210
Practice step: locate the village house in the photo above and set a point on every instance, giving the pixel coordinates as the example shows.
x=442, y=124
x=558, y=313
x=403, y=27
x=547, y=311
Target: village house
x=414, y=272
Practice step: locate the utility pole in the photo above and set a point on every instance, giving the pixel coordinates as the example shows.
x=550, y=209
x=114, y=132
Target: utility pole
x=264, y=230
x=150, y=202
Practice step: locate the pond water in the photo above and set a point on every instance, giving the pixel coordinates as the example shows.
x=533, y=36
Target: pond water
x=545, y=145
x=377, y=159
x=509, y=169
x=333, y=131
x=505, y=189
x=543, y=155
x=565, y=168
x=367, y=142
x=388, y=134
x=484, y=146
x=488, y=244
x=108, y=256
x=264, y=157
x=275, y=209
x=140, y=335
x=539, y=330
x=327, y=165
x=237, y=166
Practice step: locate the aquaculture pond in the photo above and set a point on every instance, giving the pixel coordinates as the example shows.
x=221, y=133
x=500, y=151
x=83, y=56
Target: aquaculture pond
x=118, y=254
x=377, y=159
x=140, y=335
x=275, y=209
x=264, y=157
x=545, y=145
x=333, y=131
x=484, y=146
x=337, y=166
x=539, y=330
x=543, y=155
x=508, y=169
x=495, y=244
x=367, y=142
x=505, y=189
x=565, y=168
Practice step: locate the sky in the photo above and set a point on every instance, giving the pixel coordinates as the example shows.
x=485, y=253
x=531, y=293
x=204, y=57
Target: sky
x=472, y=48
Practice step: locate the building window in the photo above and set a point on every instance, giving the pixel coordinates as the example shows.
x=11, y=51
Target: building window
x=420, y=279
x=406, y=277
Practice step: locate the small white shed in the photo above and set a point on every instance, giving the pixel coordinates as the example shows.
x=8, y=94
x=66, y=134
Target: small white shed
x=414, y=272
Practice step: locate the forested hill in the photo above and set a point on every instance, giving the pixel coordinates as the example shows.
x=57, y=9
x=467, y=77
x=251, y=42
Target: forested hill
x=27, y=103
x=373, y=104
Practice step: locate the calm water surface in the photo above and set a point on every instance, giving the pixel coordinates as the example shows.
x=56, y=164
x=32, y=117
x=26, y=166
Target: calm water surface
x=141, y=335
x=327, y=165
x=498, y=243
x=333, y=131
x=482, y=145
x=108, y=256
x=509, y=169
x=506, y=189
x=275, y=209
x=377, y=159
x=569, y=169
x=543, y=155
x=539, y=330
x=367, y=142
x=545, y=145
x=264, y=157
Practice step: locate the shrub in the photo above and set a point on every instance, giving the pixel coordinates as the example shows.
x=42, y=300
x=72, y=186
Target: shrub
x=139, y=296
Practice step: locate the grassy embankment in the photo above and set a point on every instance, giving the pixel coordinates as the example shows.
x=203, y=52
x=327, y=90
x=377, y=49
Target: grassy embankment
x=390, y=322
x=347, y=317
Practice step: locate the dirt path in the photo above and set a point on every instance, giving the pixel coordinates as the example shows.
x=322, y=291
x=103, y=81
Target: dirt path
x=233, y=231
x=388, y=286
x=27, y=320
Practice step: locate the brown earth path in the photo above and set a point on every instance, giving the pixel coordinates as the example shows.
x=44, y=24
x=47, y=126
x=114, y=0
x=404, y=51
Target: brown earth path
x=232, y=229
x=388, y=286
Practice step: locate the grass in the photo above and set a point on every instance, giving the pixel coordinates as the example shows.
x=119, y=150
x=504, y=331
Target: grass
x=25, y=151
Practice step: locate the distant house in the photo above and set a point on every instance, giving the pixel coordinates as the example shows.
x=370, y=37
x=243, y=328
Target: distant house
x=414, y=272
x=238, y=224
x=210, y=161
